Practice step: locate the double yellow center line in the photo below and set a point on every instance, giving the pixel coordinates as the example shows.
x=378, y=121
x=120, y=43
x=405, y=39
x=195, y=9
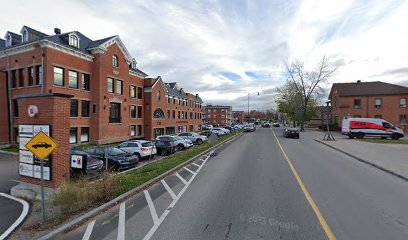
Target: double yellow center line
x=309, y=198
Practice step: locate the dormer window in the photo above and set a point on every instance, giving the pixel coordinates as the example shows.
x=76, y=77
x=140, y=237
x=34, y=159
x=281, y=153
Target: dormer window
x=115, y=61
x=25, y=36
x=134, y=64
x=74, y=41
x=8, y=40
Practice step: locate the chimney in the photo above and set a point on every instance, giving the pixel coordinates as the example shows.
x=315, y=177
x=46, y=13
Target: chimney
x=358, y=81
x=57, y=31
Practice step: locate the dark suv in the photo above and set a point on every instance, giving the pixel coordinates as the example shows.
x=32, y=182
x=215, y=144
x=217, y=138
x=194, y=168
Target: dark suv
x=117, y=159
x=165, y=147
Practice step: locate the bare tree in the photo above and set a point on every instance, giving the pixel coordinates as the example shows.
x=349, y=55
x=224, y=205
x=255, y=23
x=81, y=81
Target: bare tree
x=307, y=84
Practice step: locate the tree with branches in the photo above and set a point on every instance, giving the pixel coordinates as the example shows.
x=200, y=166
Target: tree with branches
x=306, y=85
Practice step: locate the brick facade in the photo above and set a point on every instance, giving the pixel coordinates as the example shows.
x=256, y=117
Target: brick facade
x=220, y=115
x=238, y=116
x=110, y=99
x=388, y=107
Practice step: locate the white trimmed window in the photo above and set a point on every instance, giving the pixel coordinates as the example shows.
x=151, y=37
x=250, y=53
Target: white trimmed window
x=74, y=41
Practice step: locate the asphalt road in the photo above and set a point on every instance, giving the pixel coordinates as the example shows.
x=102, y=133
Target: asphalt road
x=10, y=210
x=249, y=191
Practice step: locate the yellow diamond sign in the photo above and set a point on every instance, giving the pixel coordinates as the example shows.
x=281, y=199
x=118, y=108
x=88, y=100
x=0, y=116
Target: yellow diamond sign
x=41, y=145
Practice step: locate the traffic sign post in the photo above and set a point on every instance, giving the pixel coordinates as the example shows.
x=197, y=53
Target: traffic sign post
x=41, y=145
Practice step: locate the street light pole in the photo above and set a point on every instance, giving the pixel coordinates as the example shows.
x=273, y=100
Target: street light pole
x=249, y=94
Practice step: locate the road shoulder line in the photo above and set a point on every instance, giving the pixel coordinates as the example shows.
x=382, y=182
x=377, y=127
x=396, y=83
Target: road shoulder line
x=364, y=161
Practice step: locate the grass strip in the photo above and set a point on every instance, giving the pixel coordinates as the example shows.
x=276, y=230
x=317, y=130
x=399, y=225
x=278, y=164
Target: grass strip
x=141, y=175
x=11, y=149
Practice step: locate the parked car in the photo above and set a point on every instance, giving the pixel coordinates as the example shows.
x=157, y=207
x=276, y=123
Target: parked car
x=249, y=128
x=205, y=133
x=375, y=127
x=226, y=131
x=291, y=133
x=194, y=137
x=219, y=133
x=93, y=165
x=117, y=159
x=141, y=148
x=186, y=143
x=276, y=124
x=165, y=147
x=180, y=143
x=266, y=125
x=207, y=127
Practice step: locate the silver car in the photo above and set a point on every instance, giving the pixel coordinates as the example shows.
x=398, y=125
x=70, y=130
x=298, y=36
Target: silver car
x=194, y=137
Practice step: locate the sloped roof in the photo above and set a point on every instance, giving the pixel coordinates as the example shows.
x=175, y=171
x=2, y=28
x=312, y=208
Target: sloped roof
x=85, y=43
x=172, y=84
x=96, y=43
x=35, y=32
x=368, y=88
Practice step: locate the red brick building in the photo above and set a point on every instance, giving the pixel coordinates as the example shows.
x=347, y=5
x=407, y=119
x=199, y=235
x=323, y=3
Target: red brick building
x=82, y=91
x=169, y=109
x=238, y=116
x=370, y=100
x=220, y=115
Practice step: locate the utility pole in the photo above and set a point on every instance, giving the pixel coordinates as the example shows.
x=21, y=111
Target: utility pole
x=250, y=94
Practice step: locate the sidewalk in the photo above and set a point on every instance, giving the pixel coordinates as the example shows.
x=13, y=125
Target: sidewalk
x=392, y=158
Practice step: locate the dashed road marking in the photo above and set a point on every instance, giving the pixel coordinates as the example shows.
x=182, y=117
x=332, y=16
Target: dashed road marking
x=20, y=219
x=88, y=231
x=151, y=207
x=192, y=172
x=181, y=178
x=122, y=221
x=167, y=211
x=168, y=189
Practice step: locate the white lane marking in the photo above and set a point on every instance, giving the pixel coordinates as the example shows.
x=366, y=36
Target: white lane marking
x=151, y=207
x=168, y=189
x=20, y=219
x=181, y=178
x=195, y=164
x=88, y=231
x=192, y=172
x=122, y=221
x=202, y=160
x=167, y=211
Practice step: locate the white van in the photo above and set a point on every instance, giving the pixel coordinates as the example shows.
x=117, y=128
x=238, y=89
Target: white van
x=360, y=127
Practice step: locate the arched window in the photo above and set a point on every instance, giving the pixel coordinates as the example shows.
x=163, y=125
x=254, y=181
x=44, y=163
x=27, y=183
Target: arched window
x=158, y=113
x=158, y=95
x=115, y=61
x=74, y=41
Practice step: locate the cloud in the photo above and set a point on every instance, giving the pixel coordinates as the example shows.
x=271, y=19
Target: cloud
x=225, y=49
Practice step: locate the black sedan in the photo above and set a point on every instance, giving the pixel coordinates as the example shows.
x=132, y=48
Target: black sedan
x=165, y=148
x=117, y=158
x=93, y=165
x=291, y=133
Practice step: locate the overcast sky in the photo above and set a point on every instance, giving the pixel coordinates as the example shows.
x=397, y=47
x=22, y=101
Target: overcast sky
x=225, y=49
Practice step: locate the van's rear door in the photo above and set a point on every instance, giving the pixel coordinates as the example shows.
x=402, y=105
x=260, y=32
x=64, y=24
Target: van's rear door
x=345, y=128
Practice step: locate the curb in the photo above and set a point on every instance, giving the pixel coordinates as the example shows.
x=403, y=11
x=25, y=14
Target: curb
x=9, y=153
x=122, y=197
x=364, y=161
